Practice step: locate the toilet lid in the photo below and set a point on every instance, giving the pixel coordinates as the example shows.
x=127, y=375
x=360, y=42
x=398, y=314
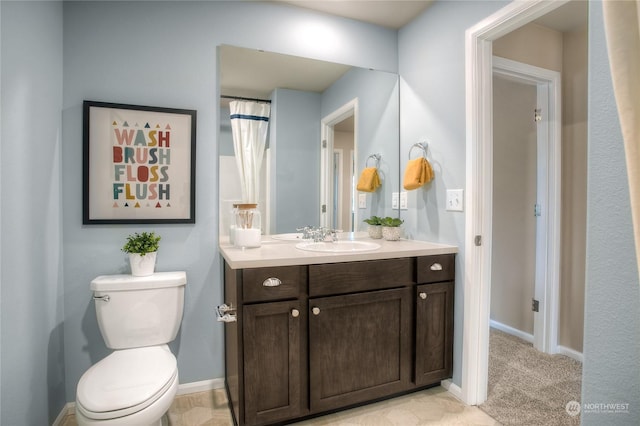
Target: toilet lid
x=126, y=378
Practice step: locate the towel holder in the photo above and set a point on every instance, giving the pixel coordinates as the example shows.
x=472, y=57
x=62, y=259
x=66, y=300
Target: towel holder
x=376, y=157
x=421, y=145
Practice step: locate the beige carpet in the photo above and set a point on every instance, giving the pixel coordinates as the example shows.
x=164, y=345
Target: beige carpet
x=527, y=387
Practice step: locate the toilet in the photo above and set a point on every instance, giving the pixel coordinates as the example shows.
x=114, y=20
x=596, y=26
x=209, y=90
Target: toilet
x=136, y=384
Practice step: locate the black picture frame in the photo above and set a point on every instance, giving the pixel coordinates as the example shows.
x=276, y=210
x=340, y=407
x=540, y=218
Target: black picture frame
x=139, y=164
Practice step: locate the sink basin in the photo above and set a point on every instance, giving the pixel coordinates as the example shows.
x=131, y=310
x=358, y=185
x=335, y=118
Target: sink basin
x=338, y=246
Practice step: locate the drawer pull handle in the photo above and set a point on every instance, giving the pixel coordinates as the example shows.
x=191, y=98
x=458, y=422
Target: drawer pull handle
x=295, y=313
x=315, y=310
x=423, y=295
x=271, y=282
x=436, y=267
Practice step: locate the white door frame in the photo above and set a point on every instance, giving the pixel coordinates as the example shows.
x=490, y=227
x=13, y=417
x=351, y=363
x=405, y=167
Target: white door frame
x=339, y=152
x=478, y=217
x=326, y=155
x=548, y=182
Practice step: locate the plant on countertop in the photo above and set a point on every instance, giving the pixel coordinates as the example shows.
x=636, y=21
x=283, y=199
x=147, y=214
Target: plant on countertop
x=392, y=222
x=142, y=243
x=373, y=221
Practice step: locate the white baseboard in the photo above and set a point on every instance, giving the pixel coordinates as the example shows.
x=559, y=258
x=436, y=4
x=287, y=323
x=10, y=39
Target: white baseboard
x=69, y=408
x=452, y=388
x=202, y=386
x=183, y=389
x=571, y=353
x=510, y=330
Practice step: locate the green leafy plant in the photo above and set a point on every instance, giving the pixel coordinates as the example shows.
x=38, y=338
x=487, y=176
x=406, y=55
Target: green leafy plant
x=373, y=220
x=142, y=243
x=392, y=222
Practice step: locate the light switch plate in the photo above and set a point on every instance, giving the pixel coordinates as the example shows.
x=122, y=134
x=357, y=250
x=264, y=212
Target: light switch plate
x=403, y=201
x=455, y=200
x=394, y=200
x=362, y=201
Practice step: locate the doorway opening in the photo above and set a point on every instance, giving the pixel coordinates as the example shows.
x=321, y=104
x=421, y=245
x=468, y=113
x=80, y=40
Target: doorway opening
x=526, y=202
x=479, y=184
x=337, y=168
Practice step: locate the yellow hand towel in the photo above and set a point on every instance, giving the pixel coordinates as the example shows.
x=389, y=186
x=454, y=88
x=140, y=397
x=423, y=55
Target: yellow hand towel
x=369, y=180
x=417, y=173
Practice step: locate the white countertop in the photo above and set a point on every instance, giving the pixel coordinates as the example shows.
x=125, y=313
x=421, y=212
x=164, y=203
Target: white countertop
x=284, y=253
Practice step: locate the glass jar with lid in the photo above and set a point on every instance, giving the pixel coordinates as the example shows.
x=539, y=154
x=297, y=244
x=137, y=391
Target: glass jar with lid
x=232, y=223
x=247, y=232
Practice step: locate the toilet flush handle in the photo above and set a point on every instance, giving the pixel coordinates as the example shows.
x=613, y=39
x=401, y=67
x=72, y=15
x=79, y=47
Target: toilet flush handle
x=104, y=298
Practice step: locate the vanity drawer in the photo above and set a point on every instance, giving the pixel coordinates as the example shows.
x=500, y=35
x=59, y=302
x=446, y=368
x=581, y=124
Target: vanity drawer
x=266, y=284
x=339, y=278
x=433, y=269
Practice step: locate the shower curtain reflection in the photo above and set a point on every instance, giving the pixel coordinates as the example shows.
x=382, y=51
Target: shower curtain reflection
x=249, y=125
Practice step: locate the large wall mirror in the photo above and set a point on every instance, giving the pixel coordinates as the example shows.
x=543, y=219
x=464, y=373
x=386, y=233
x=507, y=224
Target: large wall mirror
x=327, y=123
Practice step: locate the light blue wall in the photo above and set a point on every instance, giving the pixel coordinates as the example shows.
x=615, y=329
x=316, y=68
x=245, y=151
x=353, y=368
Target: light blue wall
x=378, y=130
x=295, y=138
x=32, y=282
x=611, y=370
x=164, y=54
x=432, y=104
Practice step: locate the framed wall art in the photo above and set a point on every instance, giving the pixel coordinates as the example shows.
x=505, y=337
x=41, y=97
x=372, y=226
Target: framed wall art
x=138, y=164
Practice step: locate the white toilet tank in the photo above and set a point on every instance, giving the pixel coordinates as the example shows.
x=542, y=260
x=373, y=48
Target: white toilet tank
x=139, y=311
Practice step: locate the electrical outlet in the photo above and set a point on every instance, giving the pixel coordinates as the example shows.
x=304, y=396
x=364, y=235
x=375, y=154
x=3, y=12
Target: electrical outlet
x=403, y=201
x=394, y=200
x=362, y=201
x=455, y=200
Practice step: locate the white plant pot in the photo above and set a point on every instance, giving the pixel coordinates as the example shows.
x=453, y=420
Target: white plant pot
x=391, y=233
x=142, y=265
x=375, y=231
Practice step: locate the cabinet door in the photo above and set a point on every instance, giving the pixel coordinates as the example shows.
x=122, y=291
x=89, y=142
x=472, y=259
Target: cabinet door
x=272, y=361
x=359, y=347
x=434, y=332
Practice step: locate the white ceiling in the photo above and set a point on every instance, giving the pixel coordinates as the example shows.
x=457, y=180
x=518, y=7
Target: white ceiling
x=387, y=13
x=397, y=13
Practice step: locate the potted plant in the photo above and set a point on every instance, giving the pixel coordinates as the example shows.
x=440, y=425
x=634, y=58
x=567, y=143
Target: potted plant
x=142, y=249
x=391, y=228
x=375, y=227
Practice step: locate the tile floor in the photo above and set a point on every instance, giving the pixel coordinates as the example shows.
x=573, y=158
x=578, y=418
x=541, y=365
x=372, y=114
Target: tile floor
x=433, y=406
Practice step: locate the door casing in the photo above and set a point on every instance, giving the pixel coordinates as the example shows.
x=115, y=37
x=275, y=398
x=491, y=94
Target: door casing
x=477, y=242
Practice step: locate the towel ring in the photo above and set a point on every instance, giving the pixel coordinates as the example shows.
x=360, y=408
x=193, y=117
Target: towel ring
x=376, y=157
x=421, y=145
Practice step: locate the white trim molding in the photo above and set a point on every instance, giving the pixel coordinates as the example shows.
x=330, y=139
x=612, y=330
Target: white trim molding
x=479, y=134
x=452, y=388
x=571, y=353
x=527, y=337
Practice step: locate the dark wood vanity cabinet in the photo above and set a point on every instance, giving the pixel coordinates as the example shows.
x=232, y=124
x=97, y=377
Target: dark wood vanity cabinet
x=359, y=347
x=272, y=361
x=335, y=335
x=434, y=319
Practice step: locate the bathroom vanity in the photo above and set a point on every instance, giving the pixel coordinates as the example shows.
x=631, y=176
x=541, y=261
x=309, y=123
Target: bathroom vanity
x=314, y=332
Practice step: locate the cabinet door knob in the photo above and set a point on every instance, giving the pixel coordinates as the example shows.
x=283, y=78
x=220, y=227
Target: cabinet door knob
x=271, y=282
x=295, y=313
x=436, y=267
x=423, y=295
x=315, y=310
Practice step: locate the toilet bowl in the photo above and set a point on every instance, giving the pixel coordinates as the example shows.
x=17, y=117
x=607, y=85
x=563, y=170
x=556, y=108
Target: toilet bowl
x=136, y=384
x=129, y=387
